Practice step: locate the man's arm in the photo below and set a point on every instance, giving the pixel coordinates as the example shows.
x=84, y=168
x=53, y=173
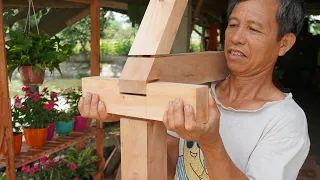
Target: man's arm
x=220, y=165
x=173, y=154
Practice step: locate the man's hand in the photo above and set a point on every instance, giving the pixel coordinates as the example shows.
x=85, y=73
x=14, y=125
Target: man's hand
x=180, y=118
x=91, y=107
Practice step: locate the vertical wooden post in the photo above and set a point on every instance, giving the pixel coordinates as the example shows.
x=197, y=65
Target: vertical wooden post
x=143, y=150
x=5, y=107
x=95, y=71
x=95, y=38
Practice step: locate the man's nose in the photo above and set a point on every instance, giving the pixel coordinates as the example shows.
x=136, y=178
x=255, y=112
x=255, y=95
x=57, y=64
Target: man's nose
x=239, y=36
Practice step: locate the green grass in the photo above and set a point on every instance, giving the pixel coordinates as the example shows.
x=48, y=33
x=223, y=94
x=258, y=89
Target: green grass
x=15, y=86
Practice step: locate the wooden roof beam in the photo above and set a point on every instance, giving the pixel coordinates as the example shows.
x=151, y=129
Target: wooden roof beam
x=105, y=3
x=44, y=4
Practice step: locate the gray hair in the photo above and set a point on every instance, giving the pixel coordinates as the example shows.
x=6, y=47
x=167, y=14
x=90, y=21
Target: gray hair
x=290, y=15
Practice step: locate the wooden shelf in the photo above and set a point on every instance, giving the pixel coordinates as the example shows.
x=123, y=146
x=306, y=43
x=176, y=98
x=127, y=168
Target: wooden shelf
x=28, y=155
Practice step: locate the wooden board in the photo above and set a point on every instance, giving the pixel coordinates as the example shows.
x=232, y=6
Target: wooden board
x=95, y=38
x=144, y=151
x=189, y=68
x=29, y=155
x=158, y=27
x=151, y=106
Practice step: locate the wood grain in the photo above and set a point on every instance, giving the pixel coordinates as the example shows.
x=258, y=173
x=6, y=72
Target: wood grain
x=158, y=27
x=189, y=68
x=144, y=151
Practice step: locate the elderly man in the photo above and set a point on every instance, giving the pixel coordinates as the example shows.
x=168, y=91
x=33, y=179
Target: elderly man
x=254, y=130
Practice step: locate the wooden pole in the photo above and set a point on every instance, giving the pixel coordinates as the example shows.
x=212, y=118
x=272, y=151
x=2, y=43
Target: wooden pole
x=5, y=108
x=95, y=38
x=95, y=71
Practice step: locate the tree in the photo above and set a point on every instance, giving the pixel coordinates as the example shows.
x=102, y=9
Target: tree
x=80, y=32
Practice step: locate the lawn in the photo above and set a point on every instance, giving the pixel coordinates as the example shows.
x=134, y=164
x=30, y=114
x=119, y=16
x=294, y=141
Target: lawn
x=15, y=86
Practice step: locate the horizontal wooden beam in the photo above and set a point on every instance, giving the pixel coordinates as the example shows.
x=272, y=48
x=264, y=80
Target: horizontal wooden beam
x=78, y=17
x=189, y=68
x=105, y=3
x=151, y=106
x=44, y=4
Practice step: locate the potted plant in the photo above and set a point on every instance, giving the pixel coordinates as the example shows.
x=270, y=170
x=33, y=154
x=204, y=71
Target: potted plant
x=32, y=53
x=49, y=168
x=64, y=124
x=17, y=111
x=72, y=96
x=37, y=113
x=85, y=160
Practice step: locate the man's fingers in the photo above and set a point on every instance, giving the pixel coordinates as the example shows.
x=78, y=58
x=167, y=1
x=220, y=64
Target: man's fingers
x=178, y=115
x=102, y=111
x=165, y=120
x=94, y=107
x=87, y=105
x=170, y=115
x=190, y=121
x=80, y=106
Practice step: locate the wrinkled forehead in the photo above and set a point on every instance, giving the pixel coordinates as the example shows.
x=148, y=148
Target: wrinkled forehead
x=262, y=11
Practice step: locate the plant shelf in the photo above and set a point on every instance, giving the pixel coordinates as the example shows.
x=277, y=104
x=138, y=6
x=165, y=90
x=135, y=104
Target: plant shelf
x=28, y=155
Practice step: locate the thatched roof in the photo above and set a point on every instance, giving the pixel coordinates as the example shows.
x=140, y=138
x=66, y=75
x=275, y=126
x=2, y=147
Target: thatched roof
x=67, y=12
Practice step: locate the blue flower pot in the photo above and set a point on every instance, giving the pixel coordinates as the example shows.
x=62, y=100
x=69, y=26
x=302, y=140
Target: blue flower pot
x=64, y=128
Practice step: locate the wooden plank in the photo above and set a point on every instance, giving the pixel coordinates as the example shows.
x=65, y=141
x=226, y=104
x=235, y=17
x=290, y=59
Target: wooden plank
x=144, y=106
x=138, y=157
x=105, y=3
x=190, y=68
x=78, y=17
x=44, y=4
x=118, y=176
x=95, y=38
x=159, y=27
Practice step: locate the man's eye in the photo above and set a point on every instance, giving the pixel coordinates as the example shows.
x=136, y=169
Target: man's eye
x=252, y=29
x=232, y=25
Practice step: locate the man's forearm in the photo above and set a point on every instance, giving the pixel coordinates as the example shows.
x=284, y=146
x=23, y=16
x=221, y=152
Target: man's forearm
x=220, y=165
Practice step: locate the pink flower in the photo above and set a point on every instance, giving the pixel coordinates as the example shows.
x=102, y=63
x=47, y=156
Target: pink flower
x=23, y=107
x=46, y=164
x=34, y=169
x=72, y=166
x=70, y=90
x=26, y=89
x=45, y=89
x=17, y=99
x=76, y=178
x=27, y=95
x=54, y=95
x=36, y=97
x=18, y=105
x=61, y=162
x=25, y=169
x=43, y=159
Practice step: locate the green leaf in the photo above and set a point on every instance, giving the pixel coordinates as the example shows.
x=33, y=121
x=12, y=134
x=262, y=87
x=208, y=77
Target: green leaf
x=11, y=69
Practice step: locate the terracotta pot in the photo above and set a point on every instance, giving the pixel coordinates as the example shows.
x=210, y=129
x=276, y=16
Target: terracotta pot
x=17, y=140
x=28, y=77
x=51, y=128
x=80, y=123
x=35, y=138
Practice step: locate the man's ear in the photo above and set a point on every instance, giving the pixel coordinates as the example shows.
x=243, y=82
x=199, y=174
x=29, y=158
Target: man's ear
x=286, y=43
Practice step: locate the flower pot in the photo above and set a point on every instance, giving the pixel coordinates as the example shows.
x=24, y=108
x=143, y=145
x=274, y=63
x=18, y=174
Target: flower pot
x=64, y=128
x=17, y=140
x=80, y=123
x=51, y=128
x=28, y=77
x=35, y=138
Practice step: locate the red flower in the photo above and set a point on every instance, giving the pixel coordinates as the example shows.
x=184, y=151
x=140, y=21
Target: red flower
x=61, y=162
x=27, y=95
x=45, y=89
x=43, y=159
x=36, y=97
x=26, y=89
x=23, y=107
x=76, y=178
x=25, y=169
x=17, y=99
x=72, y=166
x=33, y=170
x=54, y=95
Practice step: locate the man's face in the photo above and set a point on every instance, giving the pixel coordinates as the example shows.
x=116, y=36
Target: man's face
x=251, y=44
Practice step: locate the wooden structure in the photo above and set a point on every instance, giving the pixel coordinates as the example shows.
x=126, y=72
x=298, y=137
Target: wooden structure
x=150, y=79
x=29, y=155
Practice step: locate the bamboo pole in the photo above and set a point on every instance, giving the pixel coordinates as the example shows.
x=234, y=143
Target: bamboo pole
x=5, y=116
